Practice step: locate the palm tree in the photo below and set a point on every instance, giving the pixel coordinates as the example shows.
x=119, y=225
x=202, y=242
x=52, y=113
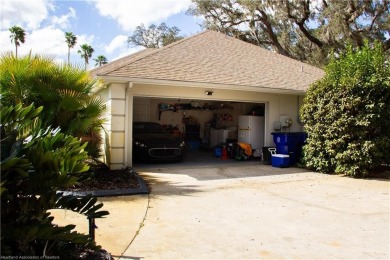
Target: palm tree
x=17, y=36
x=71, y=40
x=100, y=60
x=86, y=53
x=67, y=93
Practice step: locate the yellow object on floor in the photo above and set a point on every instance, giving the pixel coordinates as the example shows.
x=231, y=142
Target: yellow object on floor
x=247, y=148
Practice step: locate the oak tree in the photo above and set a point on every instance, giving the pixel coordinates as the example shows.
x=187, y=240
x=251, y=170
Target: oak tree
x=306, y=30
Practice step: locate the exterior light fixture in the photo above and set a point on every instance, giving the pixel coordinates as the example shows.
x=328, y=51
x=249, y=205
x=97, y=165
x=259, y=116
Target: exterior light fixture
x=208, y=93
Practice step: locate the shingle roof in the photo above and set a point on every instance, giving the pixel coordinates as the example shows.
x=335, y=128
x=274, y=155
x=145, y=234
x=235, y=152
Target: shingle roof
x=214, y=58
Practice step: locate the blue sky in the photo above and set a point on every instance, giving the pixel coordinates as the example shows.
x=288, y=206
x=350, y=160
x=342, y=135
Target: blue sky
x=103, y=24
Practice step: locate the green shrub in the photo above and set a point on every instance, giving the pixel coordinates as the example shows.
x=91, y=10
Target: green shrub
x=35, y=164
x=347, y=114
x=67, y=94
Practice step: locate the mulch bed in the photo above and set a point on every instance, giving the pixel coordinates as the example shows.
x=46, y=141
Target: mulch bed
x=89, y=254
x=105, y=179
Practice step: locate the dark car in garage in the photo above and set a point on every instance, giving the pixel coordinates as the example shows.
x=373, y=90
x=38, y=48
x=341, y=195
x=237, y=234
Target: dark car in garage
x=153, y=142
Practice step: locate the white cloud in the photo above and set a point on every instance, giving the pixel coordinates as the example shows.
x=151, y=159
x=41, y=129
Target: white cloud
x=63, y=21
x=44, y=41
x=130, y=14
x=124, y=51
x=5, y=42
x=28, y=14
x=47, y=41
x=127, y=51
x=119, y=42
x=46, y=21
x=119, y=48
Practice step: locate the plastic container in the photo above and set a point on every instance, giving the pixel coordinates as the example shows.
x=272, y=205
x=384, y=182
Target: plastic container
x=267, y=158
x=193, y=145
x=280, y=160
x=230, y=145
x=290, y=143
x=192, y=132
x=218, y=151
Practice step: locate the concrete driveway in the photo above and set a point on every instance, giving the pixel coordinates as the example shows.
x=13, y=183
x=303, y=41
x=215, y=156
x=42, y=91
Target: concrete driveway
x=246, y=210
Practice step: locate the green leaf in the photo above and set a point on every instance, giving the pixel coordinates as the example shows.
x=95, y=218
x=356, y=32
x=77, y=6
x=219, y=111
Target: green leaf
x=80, y=167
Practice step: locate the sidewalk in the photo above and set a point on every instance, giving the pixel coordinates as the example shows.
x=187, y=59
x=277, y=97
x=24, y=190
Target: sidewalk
x=116, y=231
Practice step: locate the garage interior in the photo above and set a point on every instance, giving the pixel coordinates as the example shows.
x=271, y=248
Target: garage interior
x=204, y=124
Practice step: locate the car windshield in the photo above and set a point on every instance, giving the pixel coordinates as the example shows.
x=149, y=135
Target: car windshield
x=148, y=128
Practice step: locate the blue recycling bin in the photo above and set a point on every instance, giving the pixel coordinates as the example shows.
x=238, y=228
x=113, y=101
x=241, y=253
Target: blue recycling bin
x=290, y=143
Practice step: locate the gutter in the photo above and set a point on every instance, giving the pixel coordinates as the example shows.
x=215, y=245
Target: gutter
x=129, y=86
x=261, y=89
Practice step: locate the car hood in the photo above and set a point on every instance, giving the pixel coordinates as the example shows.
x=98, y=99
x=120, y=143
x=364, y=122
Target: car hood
x=157, y=139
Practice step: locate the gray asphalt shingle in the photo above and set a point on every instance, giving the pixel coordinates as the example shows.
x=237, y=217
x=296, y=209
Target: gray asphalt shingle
x=214, y=58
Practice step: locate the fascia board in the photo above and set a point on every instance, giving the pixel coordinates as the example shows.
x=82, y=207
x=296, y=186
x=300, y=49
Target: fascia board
x=261, y=89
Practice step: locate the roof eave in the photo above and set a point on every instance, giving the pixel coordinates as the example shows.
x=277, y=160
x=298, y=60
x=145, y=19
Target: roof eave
x=261, y=89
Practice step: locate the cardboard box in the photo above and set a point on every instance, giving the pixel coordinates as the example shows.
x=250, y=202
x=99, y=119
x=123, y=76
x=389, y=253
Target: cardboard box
x=280, y=160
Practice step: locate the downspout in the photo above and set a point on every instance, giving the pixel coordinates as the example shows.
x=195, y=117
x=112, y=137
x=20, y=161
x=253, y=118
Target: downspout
x=129, y=86
x=298, y=107
x=266, y=123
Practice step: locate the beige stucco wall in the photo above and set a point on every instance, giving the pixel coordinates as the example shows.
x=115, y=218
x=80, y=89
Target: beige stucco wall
x=120, y=99
x=114, y=136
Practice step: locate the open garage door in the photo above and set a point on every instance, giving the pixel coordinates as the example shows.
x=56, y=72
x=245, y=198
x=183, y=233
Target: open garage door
x=207, y=125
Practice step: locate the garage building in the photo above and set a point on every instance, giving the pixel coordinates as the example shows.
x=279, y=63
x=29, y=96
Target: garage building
x=207, y=80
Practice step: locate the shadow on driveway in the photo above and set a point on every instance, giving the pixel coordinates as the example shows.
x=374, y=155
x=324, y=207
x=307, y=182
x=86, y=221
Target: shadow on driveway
x=211, y=170
x=169, y=178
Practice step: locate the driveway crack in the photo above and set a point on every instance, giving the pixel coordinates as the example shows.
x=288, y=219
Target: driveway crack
x=140, y=226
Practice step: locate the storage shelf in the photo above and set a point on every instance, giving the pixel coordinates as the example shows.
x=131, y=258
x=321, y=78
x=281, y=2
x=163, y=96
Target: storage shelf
x=174, y=108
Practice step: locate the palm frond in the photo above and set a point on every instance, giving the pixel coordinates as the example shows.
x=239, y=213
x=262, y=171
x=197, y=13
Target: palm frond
x=94, y=107
x=66, y=92
x=71, y=99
